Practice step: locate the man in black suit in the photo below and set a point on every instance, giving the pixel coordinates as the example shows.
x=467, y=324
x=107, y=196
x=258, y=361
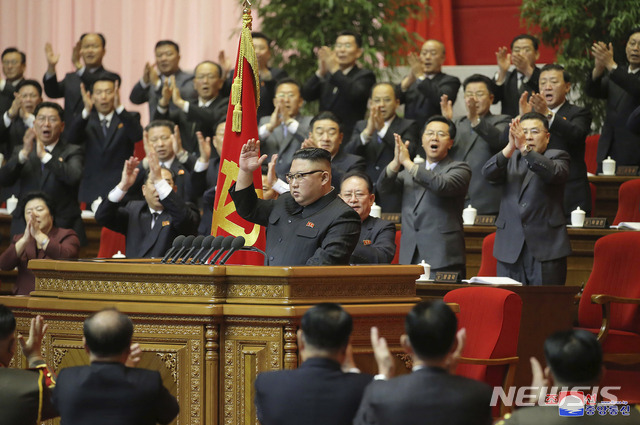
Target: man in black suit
x=431, y=393
x=307, y=226
x=91, y=48
x=150, y=226
x=108, y=133
x=569, y=126
x=478, y=138
x=524, y=78
x=149, y=88
x=26, y=394
x=422, y=88
x=110, y=390
x=323, y=390
x=200, y=116
x=49, y=164
x=377, y=237
x=283, y=132
x=621, y=88
x=339, y=83
x=532, y=243
x=373, y=140
x=204, y=177
x=14, y=62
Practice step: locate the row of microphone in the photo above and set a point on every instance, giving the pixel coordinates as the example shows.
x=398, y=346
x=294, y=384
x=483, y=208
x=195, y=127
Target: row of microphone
x=205, y=249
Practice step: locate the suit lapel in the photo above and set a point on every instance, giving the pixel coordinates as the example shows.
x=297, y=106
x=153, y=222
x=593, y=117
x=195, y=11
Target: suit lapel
x=528, y=175
x=111, y=131
x=151, y=235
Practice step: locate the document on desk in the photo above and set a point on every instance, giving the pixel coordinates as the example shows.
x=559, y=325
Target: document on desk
x=493, y=280
x=627, y=225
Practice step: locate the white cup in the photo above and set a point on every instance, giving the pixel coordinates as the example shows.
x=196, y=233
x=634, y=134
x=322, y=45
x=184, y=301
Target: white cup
x=577, y=217
x=376, y=211
x=12, y=203
x=609, y=167
x=469, y=215
x=427, y=270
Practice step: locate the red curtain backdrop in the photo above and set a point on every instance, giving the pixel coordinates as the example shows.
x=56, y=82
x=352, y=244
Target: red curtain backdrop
x=437, y=25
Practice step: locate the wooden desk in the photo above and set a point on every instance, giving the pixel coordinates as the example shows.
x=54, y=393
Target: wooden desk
x=579, y=263
x=545, y=309
x=607, y=188
x=209, y=330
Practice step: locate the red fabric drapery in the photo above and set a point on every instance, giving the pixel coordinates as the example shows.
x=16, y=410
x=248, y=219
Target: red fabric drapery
x=437, y=25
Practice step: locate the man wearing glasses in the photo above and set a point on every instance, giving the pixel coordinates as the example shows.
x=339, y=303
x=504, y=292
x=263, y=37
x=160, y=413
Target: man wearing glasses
x=309, y=225
x=478, y=138
x=532, y=243
x=46, y=163
x=432, y=199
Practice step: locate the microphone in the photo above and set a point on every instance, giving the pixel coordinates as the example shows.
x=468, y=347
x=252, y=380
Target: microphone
x=197, y=244
x=235, y=245
x=176, y=243
x=186, y=244
x=206, y=244
x=226, y=244
x=216, y=243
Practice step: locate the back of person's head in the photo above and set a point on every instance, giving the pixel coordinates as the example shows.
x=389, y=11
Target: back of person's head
x=7, y=322
x=326, y=115
x=318, y=155
x=52, y=105
x=327, y=327
x=160, y=123
x=168, y=43
x=557, y=67
x=574, y=356
x=533, y=39
x=108, y=333
x=447, y=121
x=33, y=83
x=479, y=78
x=431, y=327
x=536, y=116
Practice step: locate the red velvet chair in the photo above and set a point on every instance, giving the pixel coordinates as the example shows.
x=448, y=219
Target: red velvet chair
x=591, y=153
x=628, y=202
x=488, y=264
x=397, y=256
x=491, y=317
x=110, y=243
x=610, y=307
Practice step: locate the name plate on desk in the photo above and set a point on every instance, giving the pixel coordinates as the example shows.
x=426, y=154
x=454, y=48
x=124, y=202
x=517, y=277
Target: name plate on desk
x=485, y=220
x=627, y=170
x=446, y=277
x=595, y=223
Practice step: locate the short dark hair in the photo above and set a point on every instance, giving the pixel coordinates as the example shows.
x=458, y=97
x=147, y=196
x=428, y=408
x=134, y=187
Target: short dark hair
x=533, y=39
x=574, y=356
x=536, y=116
x=327, y=326
x=360, y=175
x=258, y=34
x=7, y=322
x=431, y=327
x=33, y=83
x=288, y=80
x=479, y=78
x=168, y=43
x=48, y=200
x=557, y=67
x=104, y=78
x=111, y=338
x=212, y=63
x=440, y=118
x=160, y=123
x=326, y=115
x=104, y=41
x=352, y=33
x=14, y=50
x=633, y=31
x=396, y=92
x=313, y=155
x=53, y=105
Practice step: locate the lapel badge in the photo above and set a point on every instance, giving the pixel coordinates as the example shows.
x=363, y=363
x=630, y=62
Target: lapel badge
x=166, y=223
x=120, y=125
x=60, y=159
x=180, y=172
x=310, y=224
x=366, y=242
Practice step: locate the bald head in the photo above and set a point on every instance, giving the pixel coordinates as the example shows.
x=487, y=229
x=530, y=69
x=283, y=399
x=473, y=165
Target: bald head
x=108, y=333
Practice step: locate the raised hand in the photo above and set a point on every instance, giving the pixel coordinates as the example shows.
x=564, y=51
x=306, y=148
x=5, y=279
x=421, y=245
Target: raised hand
x=308, y=143
x=603, y=55
x=116, y=97
x=176, y=140
x=472, y=108
x=461, y=338
x=166, y=94
x=32, y=347
x=384, y=359
x=154, y=166
x=52, y=58
x=16, y=106
x=129, y=173
x=225, y=63
x=446, y=106
x=272, y=178
x=86, y=98
x=275, y=120
x=175, y=93
x=75, y=55
x=135, y=353
x=204, y=144
x=27, y=141
x=522, y=65
x=525, y=106
x=503, y=58
x=250, y=158
x=416, y=64
x=538, y=103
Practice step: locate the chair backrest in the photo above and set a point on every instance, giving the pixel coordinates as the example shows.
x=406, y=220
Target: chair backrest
x=396, y=257
x=591, y=153
x=488, y=264
x=491, y=317
x=628, y=202
x=110, y=243
x=616, y=271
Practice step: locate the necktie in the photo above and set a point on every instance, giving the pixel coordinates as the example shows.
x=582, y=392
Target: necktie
x=103, y=124
x=154, y=218
x=520, y=83
x=285, y=131
x=47, y=150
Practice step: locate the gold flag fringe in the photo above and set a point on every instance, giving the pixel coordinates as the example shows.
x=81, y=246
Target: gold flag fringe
x=246, y=52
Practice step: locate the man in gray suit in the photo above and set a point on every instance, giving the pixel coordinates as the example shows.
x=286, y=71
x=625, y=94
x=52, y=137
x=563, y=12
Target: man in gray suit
x=432, y=199
x=283, y=132
x=532, y=243
x=477, y=140
x=149, y=88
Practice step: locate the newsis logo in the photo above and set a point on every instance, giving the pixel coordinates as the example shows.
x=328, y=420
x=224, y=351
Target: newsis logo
x=570, y=401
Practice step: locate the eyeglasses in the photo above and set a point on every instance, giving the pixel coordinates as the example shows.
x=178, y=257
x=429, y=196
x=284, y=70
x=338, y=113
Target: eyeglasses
x=42, y=119
x=8, y=62
x=349, y=195
x=432, y=133
x=163, y=138
x=300, y=176
x=206, y=76
x=533, y=131
x=287, y=95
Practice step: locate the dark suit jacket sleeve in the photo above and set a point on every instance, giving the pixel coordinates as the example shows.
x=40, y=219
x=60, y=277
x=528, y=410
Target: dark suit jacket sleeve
x=629, y=82
x=492, y=133
x=354, y=88
x=389, y=183
x=355, y=146
x=495, y=170
x=113, y=216
x=9, y=259
x=598, y=88
x=339, y=241
x=132, y=127
x=185, y=215
x=633, y=123
x=382, y=247
x=52, y=87
x=139, y=95
x=551, y=168
x=312, y=88
x=75, y=130
x=249, y=206
x=573, y=130
x=365, y=414
x=70, y=169
x=10, y=172
x=433, y=89
x=65, y=245
x=455, y=182
x=167, y=407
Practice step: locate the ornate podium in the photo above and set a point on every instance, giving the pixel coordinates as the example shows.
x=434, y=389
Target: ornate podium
x=210, y=330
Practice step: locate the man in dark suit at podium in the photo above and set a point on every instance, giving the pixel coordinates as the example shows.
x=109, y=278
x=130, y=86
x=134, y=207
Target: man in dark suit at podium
x=324, y=389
